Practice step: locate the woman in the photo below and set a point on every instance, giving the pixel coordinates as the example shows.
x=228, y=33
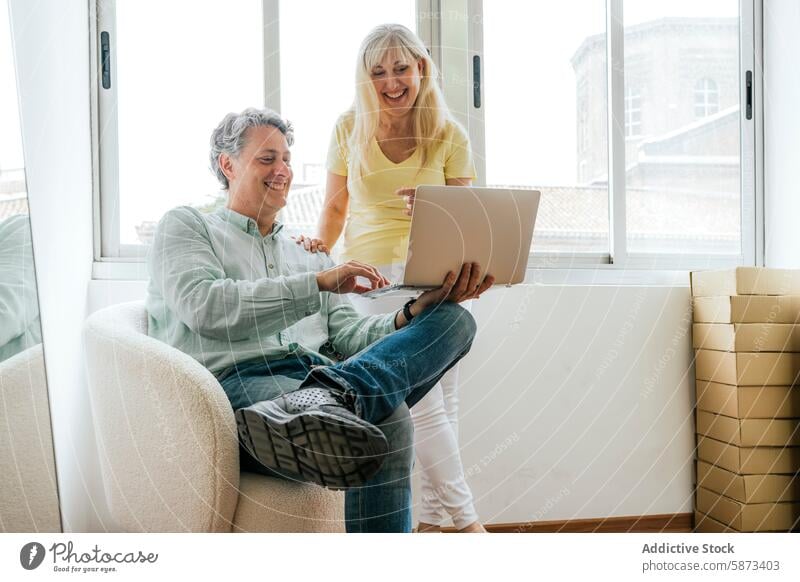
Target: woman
x=399, y=134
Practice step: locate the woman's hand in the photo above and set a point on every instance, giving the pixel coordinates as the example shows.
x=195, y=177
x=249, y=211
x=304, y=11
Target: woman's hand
x=312, y=245
x=468, y=285
x=408, y=197
x=343, y=278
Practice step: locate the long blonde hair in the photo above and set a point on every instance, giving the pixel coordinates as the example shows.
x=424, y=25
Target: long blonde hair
x=430, y=111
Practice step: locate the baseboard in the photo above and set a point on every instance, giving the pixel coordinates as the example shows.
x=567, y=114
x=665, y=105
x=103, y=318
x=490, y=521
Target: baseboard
x=668, y=522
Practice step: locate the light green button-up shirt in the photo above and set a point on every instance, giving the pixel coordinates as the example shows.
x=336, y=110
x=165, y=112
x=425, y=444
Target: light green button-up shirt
x=19, y=305
x=224, y=294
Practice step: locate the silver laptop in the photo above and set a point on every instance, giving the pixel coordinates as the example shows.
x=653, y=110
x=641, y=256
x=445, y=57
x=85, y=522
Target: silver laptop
x=452, y=225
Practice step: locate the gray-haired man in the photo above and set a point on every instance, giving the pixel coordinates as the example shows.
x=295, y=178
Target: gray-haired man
x=270, y=320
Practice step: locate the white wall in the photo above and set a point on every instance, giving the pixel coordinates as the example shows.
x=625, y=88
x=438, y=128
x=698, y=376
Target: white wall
x=782, y=132
x=52, y=57
x=577, y=402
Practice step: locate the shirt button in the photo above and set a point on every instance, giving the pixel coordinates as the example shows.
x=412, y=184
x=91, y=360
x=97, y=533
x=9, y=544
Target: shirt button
x=292, y=346
x=271, y=266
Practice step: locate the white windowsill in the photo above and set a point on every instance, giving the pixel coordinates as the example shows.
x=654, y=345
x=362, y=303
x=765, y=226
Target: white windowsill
x=584, y=276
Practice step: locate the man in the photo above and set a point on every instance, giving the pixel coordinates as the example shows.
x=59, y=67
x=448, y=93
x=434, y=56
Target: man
x=308, y=377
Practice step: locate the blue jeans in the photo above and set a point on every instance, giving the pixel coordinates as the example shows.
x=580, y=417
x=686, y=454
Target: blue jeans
x=387, y=378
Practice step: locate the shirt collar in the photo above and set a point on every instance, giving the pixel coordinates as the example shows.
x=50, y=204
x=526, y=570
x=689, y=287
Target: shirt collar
x=245, y=223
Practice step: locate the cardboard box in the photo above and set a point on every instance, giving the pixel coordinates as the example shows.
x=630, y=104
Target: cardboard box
x=749, y=432
x=749, y=460
x=746, y=337
x=748, y=368
x=748, y=516
x=747, y=309
x=746, y=281
x=749, y=401
x=748, y=488
x=705, y=524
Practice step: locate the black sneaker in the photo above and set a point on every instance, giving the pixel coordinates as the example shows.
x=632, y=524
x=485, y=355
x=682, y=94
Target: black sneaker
x=314, y=435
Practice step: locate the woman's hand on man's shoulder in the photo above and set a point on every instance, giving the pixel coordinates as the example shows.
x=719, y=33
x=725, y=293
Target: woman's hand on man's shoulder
x=311, y=244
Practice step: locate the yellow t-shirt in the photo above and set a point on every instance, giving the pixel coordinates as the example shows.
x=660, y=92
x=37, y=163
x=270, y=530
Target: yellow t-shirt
x=377, y=228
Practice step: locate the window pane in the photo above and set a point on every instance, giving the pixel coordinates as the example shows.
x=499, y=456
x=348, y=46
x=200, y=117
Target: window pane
x=182, y=65
x=683, y=177
x=546, y=115
x=319, y=85
x=13, y=199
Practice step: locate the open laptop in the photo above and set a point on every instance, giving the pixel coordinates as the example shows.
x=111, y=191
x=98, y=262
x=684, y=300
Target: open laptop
x=452, y=225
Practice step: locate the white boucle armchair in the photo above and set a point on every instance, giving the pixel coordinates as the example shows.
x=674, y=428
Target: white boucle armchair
x=167, y=441
x=28, y=491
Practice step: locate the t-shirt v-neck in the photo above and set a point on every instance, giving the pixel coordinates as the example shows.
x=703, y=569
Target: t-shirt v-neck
x=377, y=144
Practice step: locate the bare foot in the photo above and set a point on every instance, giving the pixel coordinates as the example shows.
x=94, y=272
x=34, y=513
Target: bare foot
x=474, y=527
x=423, y=527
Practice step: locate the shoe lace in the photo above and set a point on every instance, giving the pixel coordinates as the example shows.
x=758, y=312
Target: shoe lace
x=345, y=398
x=322, y=395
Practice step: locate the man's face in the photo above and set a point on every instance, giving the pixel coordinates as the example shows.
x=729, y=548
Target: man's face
x=262, y=172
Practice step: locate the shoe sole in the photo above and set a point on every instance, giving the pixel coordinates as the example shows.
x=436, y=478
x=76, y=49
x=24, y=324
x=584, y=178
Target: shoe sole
x=312, y=446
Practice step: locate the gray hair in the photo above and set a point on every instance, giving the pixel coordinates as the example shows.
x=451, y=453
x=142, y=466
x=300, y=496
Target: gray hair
x=228, y=137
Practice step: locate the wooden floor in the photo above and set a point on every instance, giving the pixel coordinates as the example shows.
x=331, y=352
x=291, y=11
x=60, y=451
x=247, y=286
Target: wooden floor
x=672, y=522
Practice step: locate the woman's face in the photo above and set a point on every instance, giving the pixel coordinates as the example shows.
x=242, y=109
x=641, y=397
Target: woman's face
x=396, y=80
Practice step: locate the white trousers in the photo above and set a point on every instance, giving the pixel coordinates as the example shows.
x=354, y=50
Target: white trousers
x=444, y=486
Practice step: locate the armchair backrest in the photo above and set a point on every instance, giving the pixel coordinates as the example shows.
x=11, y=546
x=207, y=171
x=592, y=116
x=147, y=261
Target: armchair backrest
x=165, y=429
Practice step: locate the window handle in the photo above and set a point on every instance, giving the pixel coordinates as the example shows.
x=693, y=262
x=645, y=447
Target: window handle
x=476, y=82
x=748, y=80
x=105, y=59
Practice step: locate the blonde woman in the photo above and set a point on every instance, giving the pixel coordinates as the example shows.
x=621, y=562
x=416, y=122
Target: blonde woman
x=399, y=134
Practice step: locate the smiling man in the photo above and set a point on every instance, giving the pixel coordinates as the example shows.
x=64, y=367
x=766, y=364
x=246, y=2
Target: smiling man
x=320, y=392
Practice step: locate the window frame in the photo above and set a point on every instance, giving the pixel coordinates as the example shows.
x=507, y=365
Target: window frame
x=453, y=30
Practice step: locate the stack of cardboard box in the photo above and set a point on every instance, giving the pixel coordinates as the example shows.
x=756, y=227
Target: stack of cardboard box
x=747, y=340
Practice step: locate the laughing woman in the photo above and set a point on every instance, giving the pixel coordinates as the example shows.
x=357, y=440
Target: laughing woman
x=399, y=134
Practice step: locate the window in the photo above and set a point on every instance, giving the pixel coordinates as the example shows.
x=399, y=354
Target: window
x=583, y=128
x=167, y=94
x=159, y=112
x=633, y=112
x=706, y=98
x=682, y=181
x=679, y=190
x=13, y=198
x=648, y=162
